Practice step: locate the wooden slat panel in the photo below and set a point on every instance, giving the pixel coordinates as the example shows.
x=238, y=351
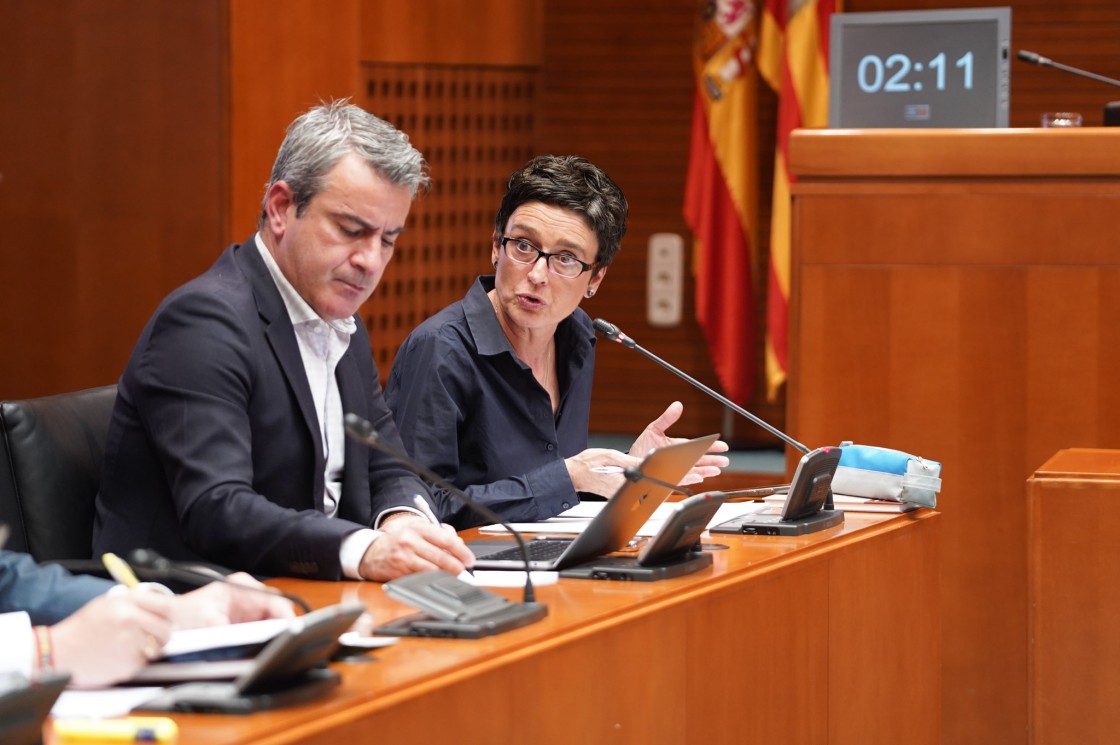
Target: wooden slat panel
x=475, y=126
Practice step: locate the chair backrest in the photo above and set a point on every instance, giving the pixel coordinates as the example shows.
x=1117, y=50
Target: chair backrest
x=50, y=471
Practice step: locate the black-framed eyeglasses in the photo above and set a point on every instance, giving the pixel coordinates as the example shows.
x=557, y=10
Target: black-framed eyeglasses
x=523, y=251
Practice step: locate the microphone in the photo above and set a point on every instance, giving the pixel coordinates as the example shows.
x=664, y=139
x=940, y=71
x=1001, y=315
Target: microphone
x=634, y=475
x=152, y=565
x=613, y=333
x=528, y=611
x=1038, y=59
x=1111, y=110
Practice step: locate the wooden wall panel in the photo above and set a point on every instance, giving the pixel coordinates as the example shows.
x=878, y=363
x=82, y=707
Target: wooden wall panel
x=450, y=32
x=110, y=178
x=280, y=64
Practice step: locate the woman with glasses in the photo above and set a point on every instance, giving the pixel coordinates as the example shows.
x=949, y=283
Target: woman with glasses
x=493, y=393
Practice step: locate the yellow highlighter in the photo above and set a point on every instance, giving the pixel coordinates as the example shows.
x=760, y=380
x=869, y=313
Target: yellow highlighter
x=130, y=729
x=119, y=570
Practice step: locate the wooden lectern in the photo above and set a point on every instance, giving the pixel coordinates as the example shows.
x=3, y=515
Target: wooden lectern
x=956, y=294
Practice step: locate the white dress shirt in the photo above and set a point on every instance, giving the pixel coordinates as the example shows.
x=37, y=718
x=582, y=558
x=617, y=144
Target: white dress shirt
x=321, y=345
x=18, y=649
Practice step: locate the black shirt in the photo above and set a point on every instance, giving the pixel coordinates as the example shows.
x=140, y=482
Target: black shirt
x=470, y=410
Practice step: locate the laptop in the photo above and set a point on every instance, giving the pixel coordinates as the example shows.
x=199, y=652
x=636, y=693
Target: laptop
x=674, y=550
x=618, y=521
x=803, y=510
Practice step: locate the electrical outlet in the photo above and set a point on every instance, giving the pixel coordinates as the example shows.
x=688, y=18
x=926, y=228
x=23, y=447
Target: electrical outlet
x=664, y=279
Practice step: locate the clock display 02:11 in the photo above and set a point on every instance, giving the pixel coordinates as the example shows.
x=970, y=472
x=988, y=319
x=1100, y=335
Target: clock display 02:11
x=898, y=74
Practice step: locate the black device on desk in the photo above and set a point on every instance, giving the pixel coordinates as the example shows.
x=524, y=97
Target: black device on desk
x=289, y=670
x=619, y=520
x=803, y=511
x=453, y=608
x=24, y=706
x=672, y=552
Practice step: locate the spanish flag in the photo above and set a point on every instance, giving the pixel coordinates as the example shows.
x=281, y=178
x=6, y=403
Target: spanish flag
x=793, y=60
x=721, y=192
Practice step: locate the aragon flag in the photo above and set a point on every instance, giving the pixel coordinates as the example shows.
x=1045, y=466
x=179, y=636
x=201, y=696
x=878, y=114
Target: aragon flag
x=793, y=60
x=721, y=192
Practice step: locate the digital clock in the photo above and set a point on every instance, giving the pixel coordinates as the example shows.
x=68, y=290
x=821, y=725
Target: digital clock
x=936, y=68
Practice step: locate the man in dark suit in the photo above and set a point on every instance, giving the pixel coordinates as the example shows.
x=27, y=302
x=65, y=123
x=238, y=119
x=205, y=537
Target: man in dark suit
x=226, y=442
x=51, y=620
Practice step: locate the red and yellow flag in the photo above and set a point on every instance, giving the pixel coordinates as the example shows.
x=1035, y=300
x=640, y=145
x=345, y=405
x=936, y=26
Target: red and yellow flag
x=721, y=192
x=793, y=60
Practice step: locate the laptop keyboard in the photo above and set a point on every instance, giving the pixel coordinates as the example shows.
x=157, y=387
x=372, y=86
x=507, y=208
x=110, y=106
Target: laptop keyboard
x=539, y=550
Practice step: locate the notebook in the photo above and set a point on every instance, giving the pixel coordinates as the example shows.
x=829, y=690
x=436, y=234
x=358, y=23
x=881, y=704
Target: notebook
x=803, y=510
x=618, y=521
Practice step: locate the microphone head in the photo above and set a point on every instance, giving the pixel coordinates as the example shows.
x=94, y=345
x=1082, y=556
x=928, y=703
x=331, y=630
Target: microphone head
x=146, y=558
x=614, y=333
x=1032, y=57
x=359, y=427
x=606, y=328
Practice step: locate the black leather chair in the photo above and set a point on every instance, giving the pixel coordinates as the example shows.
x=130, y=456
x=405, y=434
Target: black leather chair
x=50, y=471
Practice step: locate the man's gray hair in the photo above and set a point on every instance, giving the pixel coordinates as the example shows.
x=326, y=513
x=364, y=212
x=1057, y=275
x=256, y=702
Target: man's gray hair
x=321, y=137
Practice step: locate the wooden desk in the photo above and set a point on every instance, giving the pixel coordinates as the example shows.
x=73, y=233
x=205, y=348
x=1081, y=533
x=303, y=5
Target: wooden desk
x=1073, y=518
x=831, y=638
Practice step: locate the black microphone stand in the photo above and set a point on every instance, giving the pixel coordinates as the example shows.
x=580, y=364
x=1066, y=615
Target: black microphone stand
x=151, y=565
x=511, y=616
x=634, y=475
x=613, y=333
x=363, y=431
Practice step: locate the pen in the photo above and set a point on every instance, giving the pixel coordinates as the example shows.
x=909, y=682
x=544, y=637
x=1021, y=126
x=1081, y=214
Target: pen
x=119, y=570
x=423, y=506
x=132, y=729
x=607, y=469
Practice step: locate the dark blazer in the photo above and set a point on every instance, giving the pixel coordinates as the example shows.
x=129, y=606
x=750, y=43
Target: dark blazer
x=48, y=593
x=214, y=451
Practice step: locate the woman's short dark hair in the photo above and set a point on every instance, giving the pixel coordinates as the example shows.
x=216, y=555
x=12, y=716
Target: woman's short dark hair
x=572, y=183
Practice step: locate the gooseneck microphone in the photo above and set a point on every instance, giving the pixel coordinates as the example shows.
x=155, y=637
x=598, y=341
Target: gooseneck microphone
x=363, y=431
x=1038, y=59
x=634, y=475
x=613, y=333
x=151, y=565
x=1111, y=109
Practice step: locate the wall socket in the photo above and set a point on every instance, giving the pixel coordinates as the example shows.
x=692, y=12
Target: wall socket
x=664, y=279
